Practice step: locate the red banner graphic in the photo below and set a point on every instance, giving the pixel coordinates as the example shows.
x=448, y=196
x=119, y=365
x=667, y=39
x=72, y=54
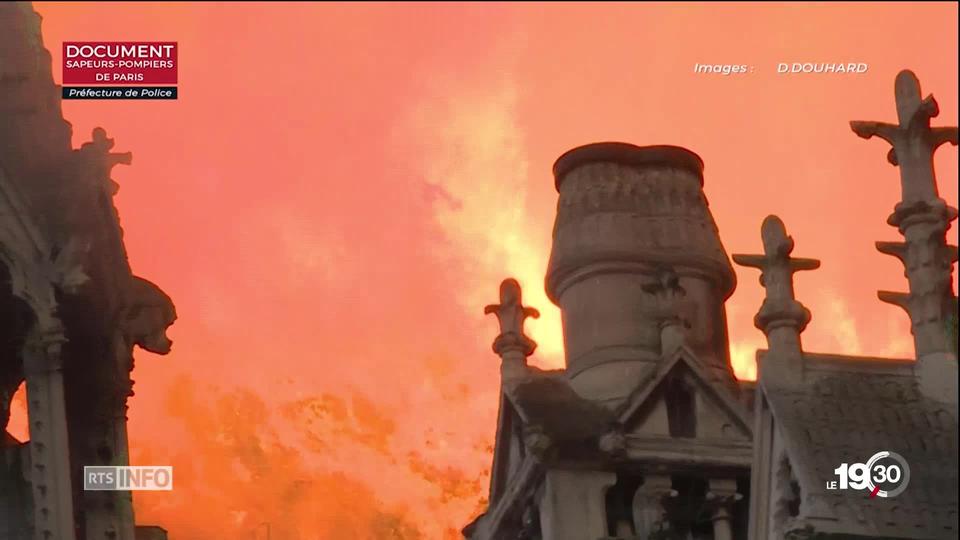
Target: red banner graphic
x=119, y=62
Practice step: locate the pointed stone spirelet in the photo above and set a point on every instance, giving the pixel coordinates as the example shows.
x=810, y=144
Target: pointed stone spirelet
x=913, y=142
x=922, y=217
x=512, y=343
x=669, y=299
x=781, y=317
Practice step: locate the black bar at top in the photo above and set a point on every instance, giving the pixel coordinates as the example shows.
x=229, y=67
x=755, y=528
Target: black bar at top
x=119, y=92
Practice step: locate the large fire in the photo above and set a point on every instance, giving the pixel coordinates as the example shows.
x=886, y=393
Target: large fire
x=341, y=188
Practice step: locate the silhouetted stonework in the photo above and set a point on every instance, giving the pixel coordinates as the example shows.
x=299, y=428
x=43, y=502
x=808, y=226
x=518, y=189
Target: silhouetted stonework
x=71, y=311
x=647, y=435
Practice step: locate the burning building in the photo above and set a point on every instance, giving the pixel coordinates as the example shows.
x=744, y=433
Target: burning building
x=71, y=309
x=647, y=434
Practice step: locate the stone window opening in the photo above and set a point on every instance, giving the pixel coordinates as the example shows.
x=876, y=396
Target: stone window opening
x=681, y=408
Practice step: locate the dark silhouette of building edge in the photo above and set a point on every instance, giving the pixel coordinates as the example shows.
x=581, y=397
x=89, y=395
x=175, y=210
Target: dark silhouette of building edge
x=71, y=309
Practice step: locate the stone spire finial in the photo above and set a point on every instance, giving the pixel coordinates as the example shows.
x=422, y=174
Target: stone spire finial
x=104, y=160
x=669, y=299
x=914, y=143
x=781, y=317
x=923, y=218
x=511, y=313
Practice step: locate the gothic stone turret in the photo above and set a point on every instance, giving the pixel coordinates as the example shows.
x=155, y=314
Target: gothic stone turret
x=625, y=214
x=643, y=432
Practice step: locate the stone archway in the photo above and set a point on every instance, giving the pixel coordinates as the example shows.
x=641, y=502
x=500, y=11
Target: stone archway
x=17, y=429
x=31, y=337
x=16, y=320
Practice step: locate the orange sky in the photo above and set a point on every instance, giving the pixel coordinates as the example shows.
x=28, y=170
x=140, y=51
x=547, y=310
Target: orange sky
x=340, y=188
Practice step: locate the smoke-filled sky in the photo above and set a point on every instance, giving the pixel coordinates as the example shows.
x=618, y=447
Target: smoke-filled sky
x=340, y=189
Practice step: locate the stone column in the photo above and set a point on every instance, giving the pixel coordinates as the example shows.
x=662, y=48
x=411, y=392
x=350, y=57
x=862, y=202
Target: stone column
x=49, y=444
x=109, y=514
x=574, y=506
x=123, y=500
x=649, y=514
x=721, y=496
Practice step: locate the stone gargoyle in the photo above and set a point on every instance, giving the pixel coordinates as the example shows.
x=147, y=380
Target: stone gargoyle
x=148, y=315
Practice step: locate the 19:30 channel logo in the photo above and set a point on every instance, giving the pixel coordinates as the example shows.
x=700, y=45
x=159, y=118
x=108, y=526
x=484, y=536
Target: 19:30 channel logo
x=886, y=474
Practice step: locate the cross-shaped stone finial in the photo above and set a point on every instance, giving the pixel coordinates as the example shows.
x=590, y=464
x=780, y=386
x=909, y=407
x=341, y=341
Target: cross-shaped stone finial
x=511, y=314
x=100, y=146
x=780, y=308
x=913, y=141
x=922, y=217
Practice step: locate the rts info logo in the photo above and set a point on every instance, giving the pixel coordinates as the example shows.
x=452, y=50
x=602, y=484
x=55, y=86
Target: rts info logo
x=886, y=474
x=128, y=478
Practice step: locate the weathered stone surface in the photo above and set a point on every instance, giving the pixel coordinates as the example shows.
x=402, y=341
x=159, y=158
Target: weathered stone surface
x=573, y=505
x=781, y=317
x=547, y=400
x=624, y=213
x=511, y=314
x=923, y=218
x=148, y=316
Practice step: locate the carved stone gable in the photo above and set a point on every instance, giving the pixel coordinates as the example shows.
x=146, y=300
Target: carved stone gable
x=684, y=405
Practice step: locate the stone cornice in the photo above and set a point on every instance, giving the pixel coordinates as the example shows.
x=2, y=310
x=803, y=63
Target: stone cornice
x=627, y=154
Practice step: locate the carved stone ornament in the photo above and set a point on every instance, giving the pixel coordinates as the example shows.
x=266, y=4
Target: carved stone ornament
x=511, y=314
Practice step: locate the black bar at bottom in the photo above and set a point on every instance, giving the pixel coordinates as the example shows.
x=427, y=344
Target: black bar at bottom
x=119, y=92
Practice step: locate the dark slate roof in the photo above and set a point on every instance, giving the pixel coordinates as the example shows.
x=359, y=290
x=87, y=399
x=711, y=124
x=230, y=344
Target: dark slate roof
x=847, y=409
x=545, y=399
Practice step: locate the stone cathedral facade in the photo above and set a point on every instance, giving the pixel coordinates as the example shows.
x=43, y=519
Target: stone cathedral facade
x=646, y=434
x=71, y=309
